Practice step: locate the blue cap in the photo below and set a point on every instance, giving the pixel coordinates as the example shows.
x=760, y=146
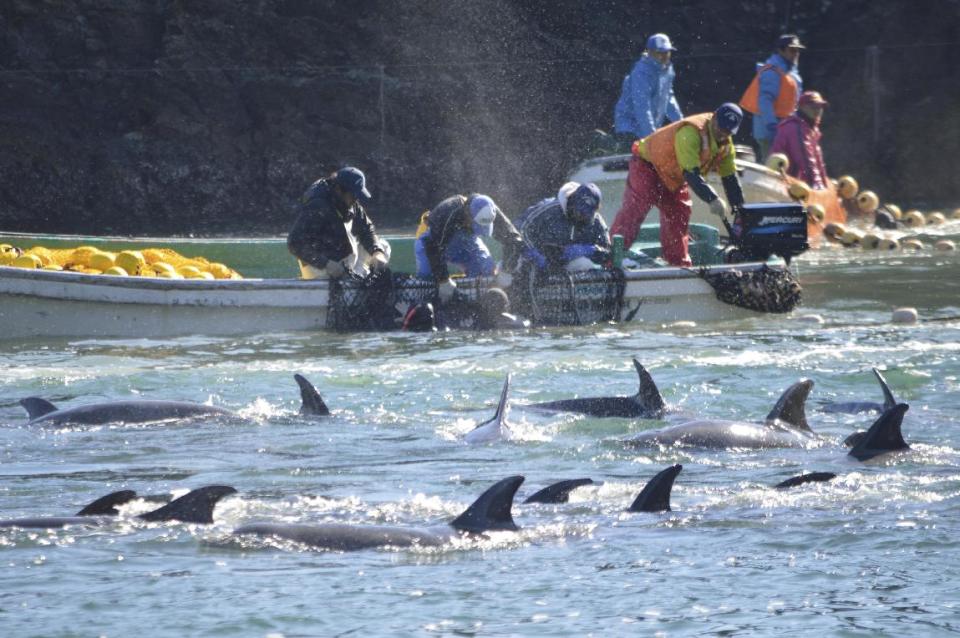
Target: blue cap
x=659, y=42
x=728, y=117
x=585, y=201
x=353, y=181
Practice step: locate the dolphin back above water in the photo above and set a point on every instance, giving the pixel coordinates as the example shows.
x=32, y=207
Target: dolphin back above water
x=883, y=437
x=42, y=412
x=859, y=407
x=497, y=427
x=195, y=506
x=490, y=512
x=647, y=403
x=785, y=426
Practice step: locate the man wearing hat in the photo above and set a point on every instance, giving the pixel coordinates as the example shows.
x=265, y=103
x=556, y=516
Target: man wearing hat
x=772, y=95
x=332, y=234
x=669, y=163
x=453, y=231
x=798, y=137
x=646, y=97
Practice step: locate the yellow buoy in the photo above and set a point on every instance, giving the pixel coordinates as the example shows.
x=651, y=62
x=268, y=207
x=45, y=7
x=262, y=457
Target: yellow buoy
x=161, y=267
x=936, y=218
x=912, y=244
x=848, y=187
x=53, y=267
x=868, y=202
x=956, y=213
x=816, y=212
x=945, y=244
x=799, y=191
x=206, y=275
x=164, y=274
x=834, y=231
x=189, y=272
x=44, y=254
x=894, y=210
x=851, y=237
x=116, y=271
x=870, y=241
x=220, y=271
x=905, y=315
x=132, y=261
x=778, y=162
x=102, y=261
x=27, y=261
x=889, y=244
x=914, y=218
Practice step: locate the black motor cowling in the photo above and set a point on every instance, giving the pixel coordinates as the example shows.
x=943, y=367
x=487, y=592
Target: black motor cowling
x=762, y=230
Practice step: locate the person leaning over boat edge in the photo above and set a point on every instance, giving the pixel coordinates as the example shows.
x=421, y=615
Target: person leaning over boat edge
x=332, y=234
x=772, y=95
x=646, y=96
x=565, y=232
x=669, y=161
x=453, y=231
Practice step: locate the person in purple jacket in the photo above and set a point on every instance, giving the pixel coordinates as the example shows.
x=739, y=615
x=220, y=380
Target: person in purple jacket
x=798, y=137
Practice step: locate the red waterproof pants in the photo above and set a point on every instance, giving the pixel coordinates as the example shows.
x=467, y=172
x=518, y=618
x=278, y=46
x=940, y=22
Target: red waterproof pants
x=643, y=190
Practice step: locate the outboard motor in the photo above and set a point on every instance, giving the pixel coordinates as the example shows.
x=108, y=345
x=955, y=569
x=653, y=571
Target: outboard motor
x=762, y=230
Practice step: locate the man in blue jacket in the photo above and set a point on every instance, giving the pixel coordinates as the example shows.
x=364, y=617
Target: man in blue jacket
x=646, y=98
x=773, y=94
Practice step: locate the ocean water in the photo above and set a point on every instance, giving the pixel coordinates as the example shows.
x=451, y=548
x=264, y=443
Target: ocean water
x=873, y=552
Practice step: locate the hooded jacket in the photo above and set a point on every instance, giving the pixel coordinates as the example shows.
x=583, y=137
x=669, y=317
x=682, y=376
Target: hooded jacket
x=646, y=98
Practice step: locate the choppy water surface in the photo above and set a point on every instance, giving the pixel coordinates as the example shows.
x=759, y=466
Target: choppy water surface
x=874, y=551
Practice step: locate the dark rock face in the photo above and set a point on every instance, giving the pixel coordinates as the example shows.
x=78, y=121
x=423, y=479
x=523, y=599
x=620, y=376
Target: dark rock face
x=173, y=117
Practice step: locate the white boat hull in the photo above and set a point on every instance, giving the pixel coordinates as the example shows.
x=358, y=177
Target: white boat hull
x=37, y=304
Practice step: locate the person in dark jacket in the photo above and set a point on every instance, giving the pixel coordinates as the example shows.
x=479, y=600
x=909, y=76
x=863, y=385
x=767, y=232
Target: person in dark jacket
x=453, y=231
x=565, y=232
x=333, y=236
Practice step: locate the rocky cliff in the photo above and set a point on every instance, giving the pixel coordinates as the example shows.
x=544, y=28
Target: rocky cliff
x=176, y=117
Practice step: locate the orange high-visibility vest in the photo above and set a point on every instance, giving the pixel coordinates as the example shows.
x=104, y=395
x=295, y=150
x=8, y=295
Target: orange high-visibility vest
x=662, y=153
x=786, y=102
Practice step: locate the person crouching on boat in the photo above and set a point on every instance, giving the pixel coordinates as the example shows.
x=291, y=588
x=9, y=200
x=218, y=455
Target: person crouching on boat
x=332, y=235
x=798, y=137
x=453, y=231
x=670, y=162
x=565, y=232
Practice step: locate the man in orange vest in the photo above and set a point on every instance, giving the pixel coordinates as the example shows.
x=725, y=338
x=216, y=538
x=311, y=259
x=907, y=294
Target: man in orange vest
x=666, y=163
x=773, y=93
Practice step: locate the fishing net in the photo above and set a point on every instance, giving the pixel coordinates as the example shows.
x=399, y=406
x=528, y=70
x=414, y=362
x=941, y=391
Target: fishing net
x=764, y=290
x=366, y=303
x=575, y=299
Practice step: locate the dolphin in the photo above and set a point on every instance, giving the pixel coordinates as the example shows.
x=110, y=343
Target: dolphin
x=645, y=404
x=858, y=407
x=193, y=507
x=655, y=496
x=810, y=477
x=490, y=512
x=785, y=426
x=496, y=427
x=42, y=412
x=884, y=435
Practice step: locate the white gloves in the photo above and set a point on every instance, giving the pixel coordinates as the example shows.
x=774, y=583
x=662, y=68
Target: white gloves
x=335, y=269
x=504, y=279
x=378, y=262
x=580, y=264
x=720, y=207
x=446, y=288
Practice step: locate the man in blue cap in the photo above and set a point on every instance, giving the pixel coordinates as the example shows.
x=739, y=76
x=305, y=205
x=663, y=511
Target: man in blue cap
x=671, y=162
x=453, y=231
x=646, y=97
x=332, y=235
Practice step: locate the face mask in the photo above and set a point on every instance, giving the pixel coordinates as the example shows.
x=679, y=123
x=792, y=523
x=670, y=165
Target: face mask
x=483, y=221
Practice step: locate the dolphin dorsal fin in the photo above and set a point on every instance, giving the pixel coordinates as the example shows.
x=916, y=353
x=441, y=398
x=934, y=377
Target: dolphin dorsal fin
x=648, y=395
x=810, y=477
x=883, y=436
x=655, y=496
x=503, y=407
x=37, y=407
x=193, y=507
x=888, y=400
x=791, y=406
x=558, y=492
x=107, y=505
x=312, y=404
x=491, y=511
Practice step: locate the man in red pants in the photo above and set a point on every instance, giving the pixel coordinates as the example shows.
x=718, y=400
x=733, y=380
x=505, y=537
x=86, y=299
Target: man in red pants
x=667, y=164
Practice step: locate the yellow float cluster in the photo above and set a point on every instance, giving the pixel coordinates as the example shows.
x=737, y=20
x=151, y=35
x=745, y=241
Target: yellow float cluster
x=150, y=262
x=878, y=240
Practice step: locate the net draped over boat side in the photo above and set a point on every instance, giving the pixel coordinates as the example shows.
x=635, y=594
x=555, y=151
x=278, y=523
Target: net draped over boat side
x=764, y=290
x=576, y=299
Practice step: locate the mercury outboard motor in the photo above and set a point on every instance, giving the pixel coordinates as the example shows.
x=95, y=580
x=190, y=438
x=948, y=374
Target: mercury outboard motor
x=762, y=230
